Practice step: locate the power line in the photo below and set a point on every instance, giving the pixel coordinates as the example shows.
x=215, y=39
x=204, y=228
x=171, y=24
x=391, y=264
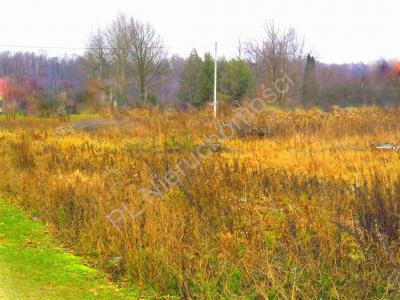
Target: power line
x=82, y=48
x=72, y=48
x=41, y=47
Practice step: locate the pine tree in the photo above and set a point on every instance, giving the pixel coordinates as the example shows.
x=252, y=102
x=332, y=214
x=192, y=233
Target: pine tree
x=309, y=89
x=206, y=88
x=196, y=85
x=189, y=84
x=236, y=79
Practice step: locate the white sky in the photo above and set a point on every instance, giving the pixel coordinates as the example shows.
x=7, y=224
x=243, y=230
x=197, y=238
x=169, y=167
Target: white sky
x=336, y=31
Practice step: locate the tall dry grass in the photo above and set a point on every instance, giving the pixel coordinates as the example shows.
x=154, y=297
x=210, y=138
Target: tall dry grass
x=308, y=211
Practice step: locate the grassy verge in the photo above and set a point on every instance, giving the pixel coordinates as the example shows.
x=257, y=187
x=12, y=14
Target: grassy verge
x=33, y=266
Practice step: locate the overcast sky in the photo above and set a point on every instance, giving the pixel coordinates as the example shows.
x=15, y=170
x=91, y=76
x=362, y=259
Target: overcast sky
x=336, y=31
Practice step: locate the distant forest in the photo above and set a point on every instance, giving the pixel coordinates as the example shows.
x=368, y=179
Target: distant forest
x=126, y=64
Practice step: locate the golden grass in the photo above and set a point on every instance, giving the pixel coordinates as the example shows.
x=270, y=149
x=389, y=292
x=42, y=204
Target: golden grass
x=310, y=211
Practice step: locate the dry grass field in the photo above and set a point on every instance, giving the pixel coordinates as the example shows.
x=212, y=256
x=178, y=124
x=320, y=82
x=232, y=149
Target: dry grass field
x=294, y=205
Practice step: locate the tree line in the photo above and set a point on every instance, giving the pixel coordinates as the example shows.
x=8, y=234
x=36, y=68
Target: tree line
x=127, y=64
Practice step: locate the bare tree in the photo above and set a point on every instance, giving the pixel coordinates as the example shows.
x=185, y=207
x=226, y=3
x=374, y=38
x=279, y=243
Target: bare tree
x=96, y=57
x=98, y=65
x=117, y=37
x=149, y=58
x=275, y=56
x=132, y=51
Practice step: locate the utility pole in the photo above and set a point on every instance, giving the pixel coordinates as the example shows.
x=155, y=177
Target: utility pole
x=215, y=81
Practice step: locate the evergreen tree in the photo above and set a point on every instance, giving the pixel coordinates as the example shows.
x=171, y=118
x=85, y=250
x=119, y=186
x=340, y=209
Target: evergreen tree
x=309, y=89
x=191, y=74
x=197, y=80
x=206, y=82
x=236, y=79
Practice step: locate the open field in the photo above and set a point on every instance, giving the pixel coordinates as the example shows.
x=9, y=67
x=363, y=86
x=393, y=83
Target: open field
x=292, y=205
